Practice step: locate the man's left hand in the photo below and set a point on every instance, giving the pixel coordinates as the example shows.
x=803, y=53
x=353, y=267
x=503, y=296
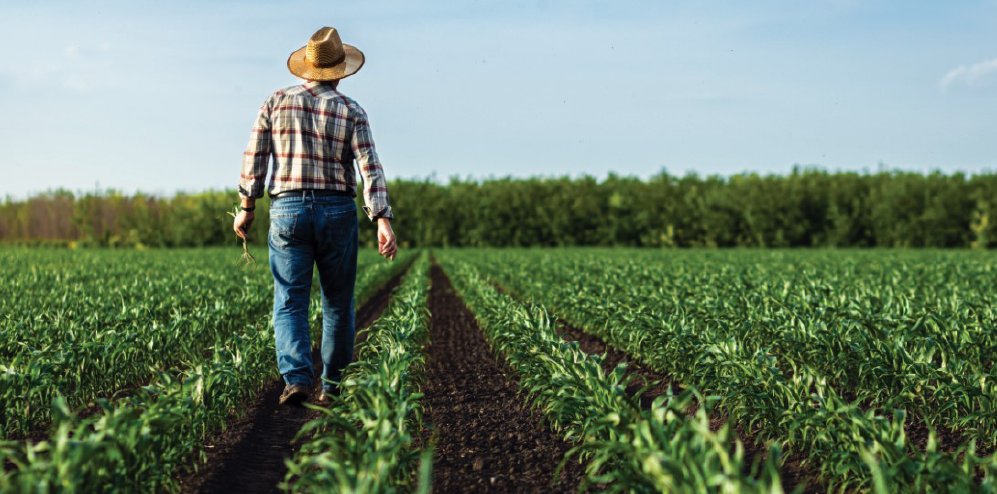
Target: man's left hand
x=243, y=221
x=386, y=244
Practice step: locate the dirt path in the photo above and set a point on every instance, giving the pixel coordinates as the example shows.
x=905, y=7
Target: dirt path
x=486, y=438
x=248, y=457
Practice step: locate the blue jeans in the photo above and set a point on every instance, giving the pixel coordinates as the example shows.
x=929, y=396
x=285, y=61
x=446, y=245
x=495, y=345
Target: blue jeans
x=307, y=231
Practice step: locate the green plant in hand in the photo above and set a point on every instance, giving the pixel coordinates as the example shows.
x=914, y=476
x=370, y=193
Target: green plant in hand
x=247, y=258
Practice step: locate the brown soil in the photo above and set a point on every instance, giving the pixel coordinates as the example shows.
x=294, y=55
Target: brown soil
x=248, y=457
x=948, y=439
x=486, y=437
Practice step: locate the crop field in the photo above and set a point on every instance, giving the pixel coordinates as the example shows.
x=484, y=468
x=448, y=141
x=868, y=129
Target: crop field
x=510, y=371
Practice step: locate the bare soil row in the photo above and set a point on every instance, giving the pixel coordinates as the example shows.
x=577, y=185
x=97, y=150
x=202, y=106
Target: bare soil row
x=486, y=439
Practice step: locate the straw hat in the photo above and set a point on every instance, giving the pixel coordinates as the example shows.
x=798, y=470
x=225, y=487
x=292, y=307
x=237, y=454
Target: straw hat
x=325, y=58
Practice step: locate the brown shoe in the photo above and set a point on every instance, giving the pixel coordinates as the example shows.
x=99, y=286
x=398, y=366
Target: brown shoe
x=294, y=393
x=326, y=396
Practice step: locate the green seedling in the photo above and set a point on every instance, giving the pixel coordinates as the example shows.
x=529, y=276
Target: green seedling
x=247, y=258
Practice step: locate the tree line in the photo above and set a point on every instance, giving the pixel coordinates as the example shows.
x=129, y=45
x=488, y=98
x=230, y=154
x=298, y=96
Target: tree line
x=806, y=208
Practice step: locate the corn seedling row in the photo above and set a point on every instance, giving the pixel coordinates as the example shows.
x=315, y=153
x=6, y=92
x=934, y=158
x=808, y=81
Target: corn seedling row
x=627, y=448
x=137, y=444
x=687, y=315
x=363, y=443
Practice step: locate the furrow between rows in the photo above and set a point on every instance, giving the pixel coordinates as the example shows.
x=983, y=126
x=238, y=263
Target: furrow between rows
x=485, y=436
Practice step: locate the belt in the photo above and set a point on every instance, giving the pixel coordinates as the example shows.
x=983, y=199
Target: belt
x=310, y=193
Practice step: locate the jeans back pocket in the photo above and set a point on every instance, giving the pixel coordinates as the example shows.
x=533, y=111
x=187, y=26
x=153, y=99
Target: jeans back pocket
x=339, y=225
x=282, y=225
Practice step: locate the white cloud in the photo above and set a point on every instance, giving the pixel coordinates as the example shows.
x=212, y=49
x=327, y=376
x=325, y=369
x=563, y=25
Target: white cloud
x=969, y=75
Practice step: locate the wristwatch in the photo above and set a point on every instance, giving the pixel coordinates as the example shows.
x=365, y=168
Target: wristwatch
x=250, y=210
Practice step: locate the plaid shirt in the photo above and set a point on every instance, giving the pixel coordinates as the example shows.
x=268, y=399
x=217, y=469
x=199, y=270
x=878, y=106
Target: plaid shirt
x=314, y=133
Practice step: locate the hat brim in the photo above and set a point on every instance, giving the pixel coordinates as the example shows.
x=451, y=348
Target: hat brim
x=350, y=65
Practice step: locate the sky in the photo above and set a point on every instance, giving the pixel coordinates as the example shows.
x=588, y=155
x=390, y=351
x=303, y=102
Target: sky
x=159, y=96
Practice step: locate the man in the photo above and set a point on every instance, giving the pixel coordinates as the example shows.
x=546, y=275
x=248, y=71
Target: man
x=314, y=133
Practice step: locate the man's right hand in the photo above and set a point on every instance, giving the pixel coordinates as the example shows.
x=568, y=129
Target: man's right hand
x=386, y=239
x=243, y=221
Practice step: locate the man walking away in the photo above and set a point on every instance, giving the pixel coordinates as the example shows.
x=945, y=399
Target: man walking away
x=314, y=133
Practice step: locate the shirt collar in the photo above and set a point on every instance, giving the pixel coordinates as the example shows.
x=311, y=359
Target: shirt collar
x=319, y=87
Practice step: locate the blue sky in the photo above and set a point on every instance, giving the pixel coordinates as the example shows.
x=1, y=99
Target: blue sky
x=160, y=96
